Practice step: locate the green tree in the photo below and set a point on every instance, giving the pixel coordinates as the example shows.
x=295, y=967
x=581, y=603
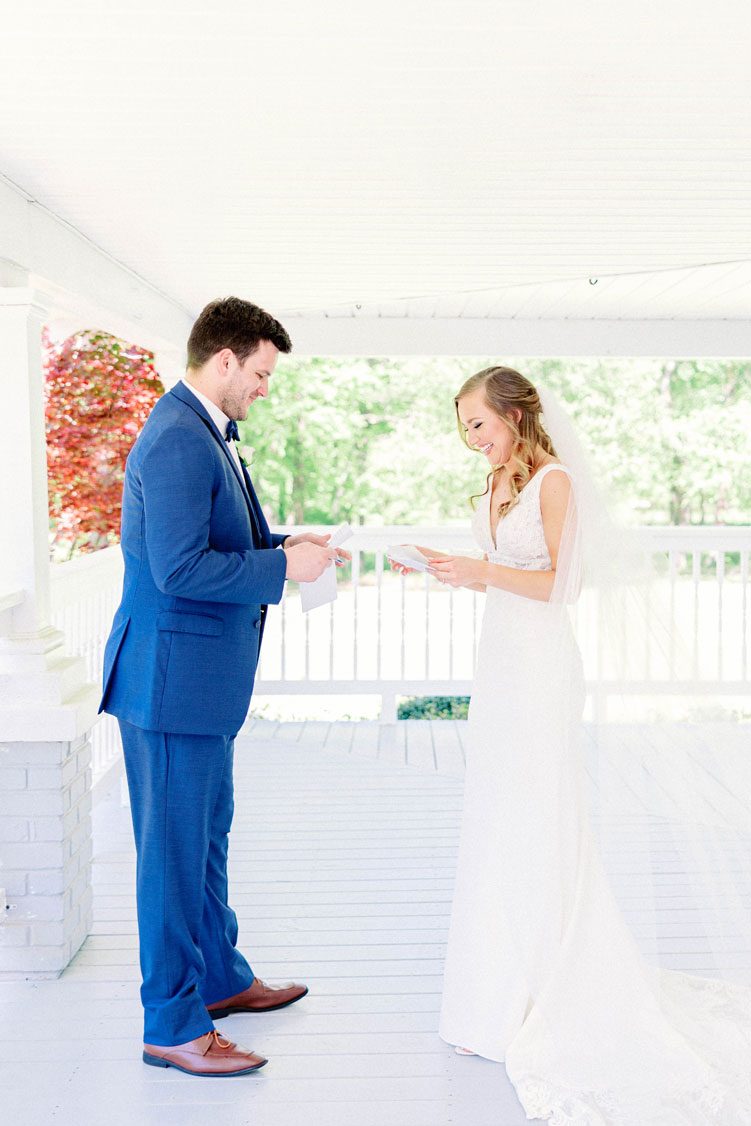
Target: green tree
x=706, y=422
x=376, y=439
x=313, y=438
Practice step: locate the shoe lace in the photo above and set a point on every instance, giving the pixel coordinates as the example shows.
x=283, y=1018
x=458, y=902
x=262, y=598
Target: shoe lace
x=219, y=1040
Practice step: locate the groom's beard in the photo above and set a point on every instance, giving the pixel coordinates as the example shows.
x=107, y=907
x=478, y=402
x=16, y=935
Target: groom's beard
x=237, y=402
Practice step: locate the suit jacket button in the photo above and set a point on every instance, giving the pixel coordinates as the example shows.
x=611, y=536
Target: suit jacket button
x=257, y=624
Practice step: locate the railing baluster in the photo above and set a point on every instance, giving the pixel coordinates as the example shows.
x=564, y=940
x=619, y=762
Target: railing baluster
x=720, y=582
x=283, y=655
x=673, y=573
x=426, y=579
x=451, y=633
x=744, y=615
x=355, y=591
x=696, y=579
x=647, y=646
x=331, y=640
x=379, y=609
x=600, y=703
x=403, y=663
x=475, y=596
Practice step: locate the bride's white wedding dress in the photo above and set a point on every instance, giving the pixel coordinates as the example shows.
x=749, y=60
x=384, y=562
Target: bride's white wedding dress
x=542, y=971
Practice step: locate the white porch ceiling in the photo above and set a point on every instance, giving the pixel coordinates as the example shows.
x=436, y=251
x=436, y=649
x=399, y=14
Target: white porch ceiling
x=722, y=290
x=410, y=159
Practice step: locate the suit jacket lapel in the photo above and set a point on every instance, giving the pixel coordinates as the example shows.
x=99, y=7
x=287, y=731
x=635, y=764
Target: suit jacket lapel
x=182, y=393
x=265, y=533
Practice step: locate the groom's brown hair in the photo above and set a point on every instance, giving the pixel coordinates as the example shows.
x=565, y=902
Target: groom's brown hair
x=233, y=323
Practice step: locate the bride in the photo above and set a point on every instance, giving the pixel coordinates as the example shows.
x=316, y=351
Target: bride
x=543, y=972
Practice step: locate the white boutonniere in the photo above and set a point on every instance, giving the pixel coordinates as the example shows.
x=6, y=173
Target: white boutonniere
x=246, y=454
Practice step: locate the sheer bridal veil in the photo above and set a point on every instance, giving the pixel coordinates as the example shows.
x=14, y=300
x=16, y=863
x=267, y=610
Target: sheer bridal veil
x=647, y=760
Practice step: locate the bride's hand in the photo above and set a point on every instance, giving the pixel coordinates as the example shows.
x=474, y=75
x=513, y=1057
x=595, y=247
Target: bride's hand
x=431, y=552
x=400, y=568
x=457, y=570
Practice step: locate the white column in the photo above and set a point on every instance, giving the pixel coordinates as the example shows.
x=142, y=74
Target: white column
x=24, y=523
x=46, y=707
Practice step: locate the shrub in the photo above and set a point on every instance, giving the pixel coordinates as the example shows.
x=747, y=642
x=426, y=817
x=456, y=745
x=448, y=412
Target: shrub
x=433, y=707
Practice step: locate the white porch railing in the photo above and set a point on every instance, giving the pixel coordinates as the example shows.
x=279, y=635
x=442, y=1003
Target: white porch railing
x=385, y=635
x=85, y=594
x=391, y=636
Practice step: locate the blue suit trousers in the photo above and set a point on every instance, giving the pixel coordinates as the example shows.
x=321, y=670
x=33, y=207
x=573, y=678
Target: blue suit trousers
x=181, y=794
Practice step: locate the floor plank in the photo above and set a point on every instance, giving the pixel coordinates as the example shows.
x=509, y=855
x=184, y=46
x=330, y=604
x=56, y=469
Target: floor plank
x=392, y=744
x=449, y=759
x=420, y=750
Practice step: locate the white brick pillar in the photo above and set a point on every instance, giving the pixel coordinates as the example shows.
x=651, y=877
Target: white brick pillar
x=46, y=707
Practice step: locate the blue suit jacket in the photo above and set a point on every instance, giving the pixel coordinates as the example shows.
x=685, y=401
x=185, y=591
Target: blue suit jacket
x=200, y=568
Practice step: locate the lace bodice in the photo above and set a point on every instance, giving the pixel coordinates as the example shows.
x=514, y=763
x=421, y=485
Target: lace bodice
x=520, y=539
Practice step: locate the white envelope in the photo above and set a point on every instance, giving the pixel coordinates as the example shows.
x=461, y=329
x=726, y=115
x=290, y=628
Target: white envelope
x=323, y=589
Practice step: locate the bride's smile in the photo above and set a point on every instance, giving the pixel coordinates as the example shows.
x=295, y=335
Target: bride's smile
x=484, y=430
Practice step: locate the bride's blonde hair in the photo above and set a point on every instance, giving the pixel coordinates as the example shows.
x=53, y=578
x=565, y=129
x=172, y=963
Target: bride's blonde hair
x=506, y=392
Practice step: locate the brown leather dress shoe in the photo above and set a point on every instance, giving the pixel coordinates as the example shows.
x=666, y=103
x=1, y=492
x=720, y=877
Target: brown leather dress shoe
x=259, y=998
x=212, y=1054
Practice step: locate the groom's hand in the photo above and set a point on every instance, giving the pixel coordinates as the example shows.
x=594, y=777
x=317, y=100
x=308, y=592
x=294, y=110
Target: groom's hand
x=307, y=561
x=323, y=541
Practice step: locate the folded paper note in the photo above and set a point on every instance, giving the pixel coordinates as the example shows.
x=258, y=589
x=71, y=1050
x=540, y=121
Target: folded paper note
x=323, y=589
x=409, y=556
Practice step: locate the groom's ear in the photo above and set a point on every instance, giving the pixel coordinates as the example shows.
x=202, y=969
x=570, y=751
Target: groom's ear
x=223, y=362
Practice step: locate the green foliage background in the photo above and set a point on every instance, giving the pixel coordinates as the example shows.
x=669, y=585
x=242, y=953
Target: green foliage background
x=375, y=440
x=433, y=707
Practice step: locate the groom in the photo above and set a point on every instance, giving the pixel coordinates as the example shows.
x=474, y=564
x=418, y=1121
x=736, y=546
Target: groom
x=201, y=567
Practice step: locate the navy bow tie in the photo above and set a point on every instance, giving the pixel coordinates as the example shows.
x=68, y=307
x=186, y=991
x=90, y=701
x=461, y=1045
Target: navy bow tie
x=232, y=434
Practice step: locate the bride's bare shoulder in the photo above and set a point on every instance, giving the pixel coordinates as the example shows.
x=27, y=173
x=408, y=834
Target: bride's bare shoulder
x=554, y=487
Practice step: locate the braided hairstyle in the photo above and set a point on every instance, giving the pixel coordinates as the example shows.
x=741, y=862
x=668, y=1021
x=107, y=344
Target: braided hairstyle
x=506, y=392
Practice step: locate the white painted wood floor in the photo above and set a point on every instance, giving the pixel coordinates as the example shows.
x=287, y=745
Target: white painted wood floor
x=342, y=864
x=342, y=870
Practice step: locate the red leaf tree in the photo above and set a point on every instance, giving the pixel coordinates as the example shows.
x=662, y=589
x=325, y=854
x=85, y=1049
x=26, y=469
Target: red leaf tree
x=99, y=391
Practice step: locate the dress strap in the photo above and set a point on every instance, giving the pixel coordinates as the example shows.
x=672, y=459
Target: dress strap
x=551, y=465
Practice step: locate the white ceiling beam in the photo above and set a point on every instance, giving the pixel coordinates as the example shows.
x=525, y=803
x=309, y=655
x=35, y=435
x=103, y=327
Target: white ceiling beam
x=464, y=336
x=90, y=289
